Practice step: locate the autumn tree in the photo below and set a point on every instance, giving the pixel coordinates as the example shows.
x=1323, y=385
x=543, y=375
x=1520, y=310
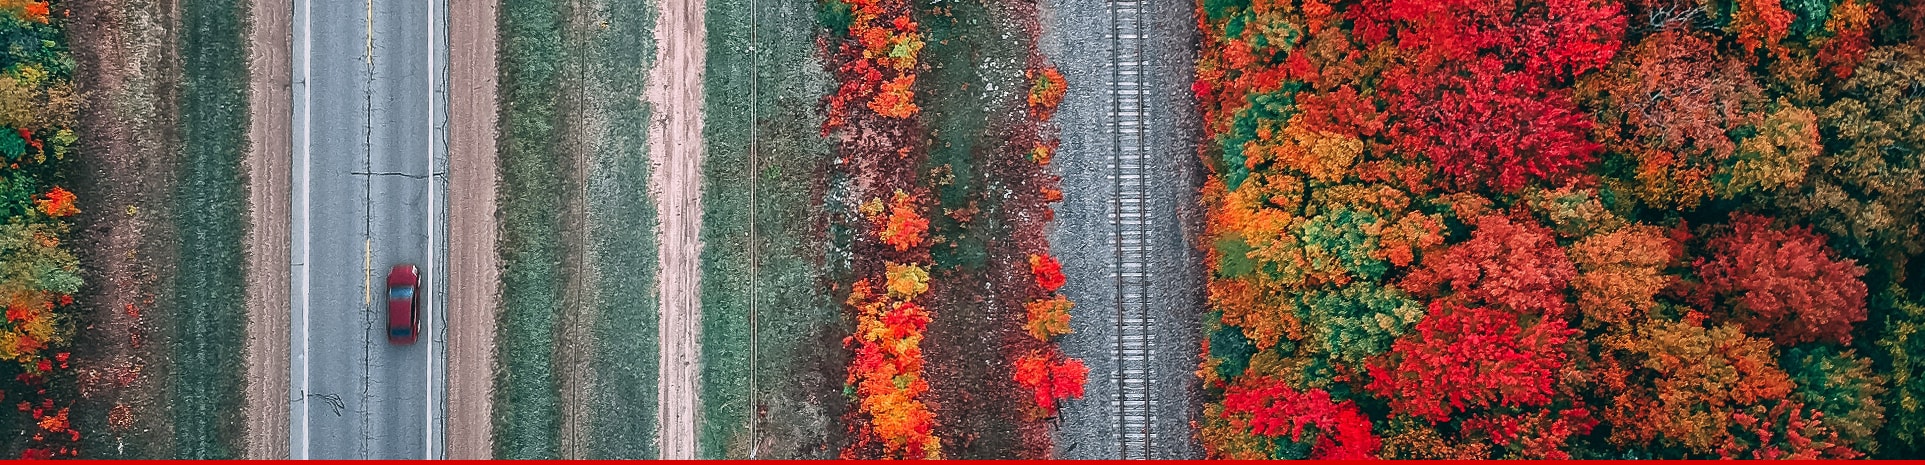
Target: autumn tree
x=1620, y=274
x=1691, y=382
x=1903, y=346
x=1356, y=322
x=1514, y=265
x=36, y=274
x=1867, y=187
x=1462, y=359
x=1480, y=85
x=1841, y=387
x=1304, y=425
x=1668, y=109
x=1783, y=283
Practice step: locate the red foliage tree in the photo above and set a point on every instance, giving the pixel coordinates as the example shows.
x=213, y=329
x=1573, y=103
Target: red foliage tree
x=59, y=203
x=1511, y=264
x=1464, y=358
x=1270, y=408
x=1535, y=435
x=1049, y=273
x=1477, y=83
x=1050, y=377
x=1783, y=282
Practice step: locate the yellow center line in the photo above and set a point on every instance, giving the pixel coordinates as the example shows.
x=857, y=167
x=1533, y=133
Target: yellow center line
x=370, y=49
x=367, y=271
x=367, y=259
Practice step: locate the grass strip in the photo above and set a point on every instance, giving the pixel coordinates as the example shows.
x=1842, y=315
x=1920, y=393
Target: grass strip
x=527, y=415
x=210, y=209
x=622, y=422
x=798, y=325
x=723, y=431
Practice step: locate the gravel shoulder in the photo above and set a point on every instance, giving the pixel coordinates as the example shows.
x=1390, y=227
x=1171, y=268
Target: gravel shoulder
x=474, y=268
x=267, y=162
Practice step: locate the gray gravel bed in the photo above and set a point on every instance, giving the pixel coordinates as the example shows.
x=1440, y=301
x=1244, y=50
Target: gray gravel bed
x=1075, y=38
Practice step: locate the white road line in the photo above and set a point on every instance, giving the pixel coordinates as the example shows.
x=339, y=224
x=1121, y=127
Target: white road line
x=427, y=440
x=307, y=168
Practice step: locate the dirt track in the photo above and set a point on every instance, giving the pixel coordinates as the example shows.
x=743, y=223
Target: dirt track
x=675, y=149
x=474, y=273
x=267, y=162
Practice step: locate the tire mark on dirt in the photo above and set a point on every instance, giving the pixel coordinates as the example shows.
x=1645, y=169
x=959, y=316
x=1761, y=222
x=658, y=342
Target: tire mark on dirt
x=267, y=162
x=474, y=272
x=675, y=149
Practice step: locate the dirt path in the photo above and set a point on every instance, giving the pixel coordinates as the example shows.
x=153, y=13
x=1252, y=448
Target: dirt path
x=577, y=268
x=675, y=149
x=267, y=163
x=474, y=273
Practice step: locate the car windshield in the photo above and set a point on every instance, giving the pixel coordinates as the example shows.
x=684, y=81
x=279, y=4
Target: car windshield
x=401, y=292
x=398, y=332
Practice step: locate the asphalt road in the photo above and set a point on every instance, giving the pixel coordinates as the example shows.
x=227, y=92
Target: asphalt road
x=369, y=142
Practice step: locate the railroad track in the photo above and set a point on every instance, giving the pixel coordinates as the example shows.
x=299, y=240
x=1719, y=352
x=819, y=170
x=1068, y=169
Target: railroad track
x=1135, y=375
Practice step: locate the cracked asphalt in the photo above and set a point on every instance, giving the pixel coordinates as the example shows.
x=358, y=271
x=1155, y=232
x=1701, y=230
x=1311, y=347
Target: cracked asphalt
x=369, y=130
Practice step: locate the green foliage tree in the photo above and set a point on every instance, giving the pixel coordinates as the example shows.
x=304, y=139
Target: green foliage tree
x=1867, y=188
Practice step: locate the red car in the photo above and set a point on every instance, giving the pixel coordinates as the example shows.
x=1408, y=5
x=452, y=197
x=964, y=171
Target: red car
x=404, y=304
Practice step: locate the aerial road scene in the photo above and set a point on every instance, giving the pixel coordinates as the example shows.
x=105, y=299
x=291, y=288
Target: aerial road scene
x=962, y=229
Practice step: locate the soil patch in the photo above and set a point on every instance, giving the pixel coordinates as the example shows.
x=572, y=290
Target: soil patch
x=125, y=242
x=675, y=94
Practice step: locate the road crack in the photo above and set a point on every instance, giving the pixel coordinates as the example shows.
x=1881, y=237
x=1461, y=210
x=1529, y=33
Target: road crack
x=389, y=173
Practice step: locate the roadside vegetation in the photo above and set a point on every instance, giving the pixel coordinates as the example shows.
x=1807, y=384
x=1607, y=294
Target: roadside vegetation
x=528, y=408
x=577, y=336
x=209, y=322
x=763, y=105
x=625, y=363
x=38, y=274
